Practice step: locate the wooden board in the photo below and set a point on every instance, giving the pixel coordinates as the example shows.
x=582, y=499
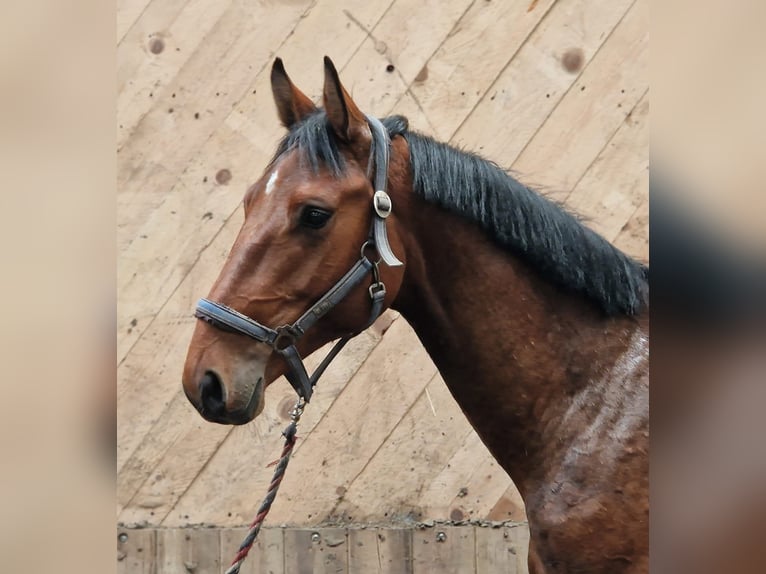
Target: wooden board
x=502, y=550
x=380, y=551
x=532, y=86
x=445, y=549
x=391, y=482
x=136, y=551
x=440, y=549
x=588, y=115
x=456, y=78
x=468, y=486
x=188, y=550
x=623, y=161
x=319, y=552
x=266, y=556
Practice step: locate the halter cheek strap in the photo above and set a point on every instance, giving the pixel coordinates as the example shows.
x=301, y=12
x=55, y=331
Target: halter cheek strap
x=381, y=201
x=283, y=339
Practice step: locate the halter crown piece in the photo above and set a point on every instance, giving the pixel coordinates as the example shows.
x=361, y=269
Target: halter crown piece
x=283, y=339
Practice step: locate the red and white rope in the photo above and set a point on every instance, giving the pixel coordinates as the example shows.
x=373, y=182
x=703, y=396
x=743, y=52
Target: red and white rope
x=279, y=472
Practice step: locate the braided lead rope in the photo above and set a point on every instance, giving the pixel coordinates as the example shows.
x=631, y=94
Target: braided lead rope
x=279, y=473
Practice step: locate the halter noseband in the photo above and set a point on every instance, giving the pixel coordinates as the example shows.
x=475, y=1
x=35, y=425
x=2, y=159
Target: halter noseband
x=283, y=339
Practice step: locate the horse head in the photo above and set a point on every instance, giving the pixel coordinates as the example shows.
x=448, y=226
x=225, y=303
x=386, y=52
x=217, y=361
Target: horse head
x=308, y=219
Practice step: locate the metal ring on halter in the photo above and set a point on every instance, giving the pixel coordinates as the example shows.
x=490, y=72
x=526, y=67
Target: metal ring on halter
x=371, y=245
x=285, y=338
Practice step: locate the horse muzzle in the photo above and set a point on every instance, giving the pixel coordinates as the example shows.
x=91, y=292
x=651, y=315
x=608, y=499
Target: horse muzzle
x=228, y=396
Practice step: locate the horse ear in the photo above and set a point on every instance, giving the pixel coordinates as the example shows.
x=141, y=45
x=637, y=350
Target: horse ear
x=292, y=104
x=348, y=122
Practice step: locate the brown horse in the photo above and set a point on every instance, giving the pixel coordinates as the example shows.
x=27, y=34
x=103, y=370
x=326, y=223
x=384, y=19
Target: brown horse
x=538, y=326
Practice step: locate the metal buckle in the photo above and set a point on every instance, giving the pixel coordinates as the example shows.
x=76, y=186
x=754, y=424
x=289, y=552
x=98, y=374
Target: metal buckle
x=376, y=288
x=381, y=203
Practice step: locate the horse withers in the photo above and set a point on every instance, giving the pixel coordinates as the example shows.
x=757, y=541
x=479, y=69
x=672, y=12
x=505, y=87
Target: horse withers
x=538, y=325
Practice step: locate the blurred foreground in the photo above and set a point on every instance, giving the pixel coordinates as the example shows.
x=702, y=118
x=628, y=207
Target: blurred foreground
x=708, y=233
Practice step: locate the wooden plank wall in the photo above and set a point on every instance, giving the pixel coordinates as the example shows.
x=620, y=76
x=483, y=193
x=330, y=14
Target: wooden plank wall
x=437, y=550
x=556, y=90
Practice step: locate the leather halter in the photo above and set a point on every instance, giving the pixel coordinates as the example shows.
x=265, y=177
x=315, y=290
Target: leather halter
x=283, y=339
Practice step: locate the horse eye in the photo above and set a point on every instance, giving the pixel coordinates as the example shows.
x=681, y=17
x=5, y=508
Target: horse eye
x=314, y=217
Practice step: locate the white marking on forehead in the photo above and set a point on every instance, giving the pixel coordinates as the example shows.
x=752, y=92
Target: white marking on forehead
x=272, y=181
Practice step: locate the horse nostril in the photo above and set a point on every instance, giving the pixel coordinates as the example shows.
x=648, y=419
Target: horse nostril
x=211, y=394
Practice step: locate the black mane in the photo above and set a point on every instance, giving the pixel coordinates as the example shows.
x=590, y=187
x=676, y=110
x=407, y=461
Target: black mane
x=524, y=222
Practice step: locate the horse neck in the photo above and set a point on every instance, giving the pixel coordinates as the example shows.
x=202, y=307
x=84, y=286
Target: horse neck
x=514, y=350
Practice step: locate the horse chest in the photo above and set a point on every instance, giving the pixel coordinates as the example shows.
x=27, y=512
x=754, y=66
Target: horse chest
x=588, y=512
x=578, y=529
